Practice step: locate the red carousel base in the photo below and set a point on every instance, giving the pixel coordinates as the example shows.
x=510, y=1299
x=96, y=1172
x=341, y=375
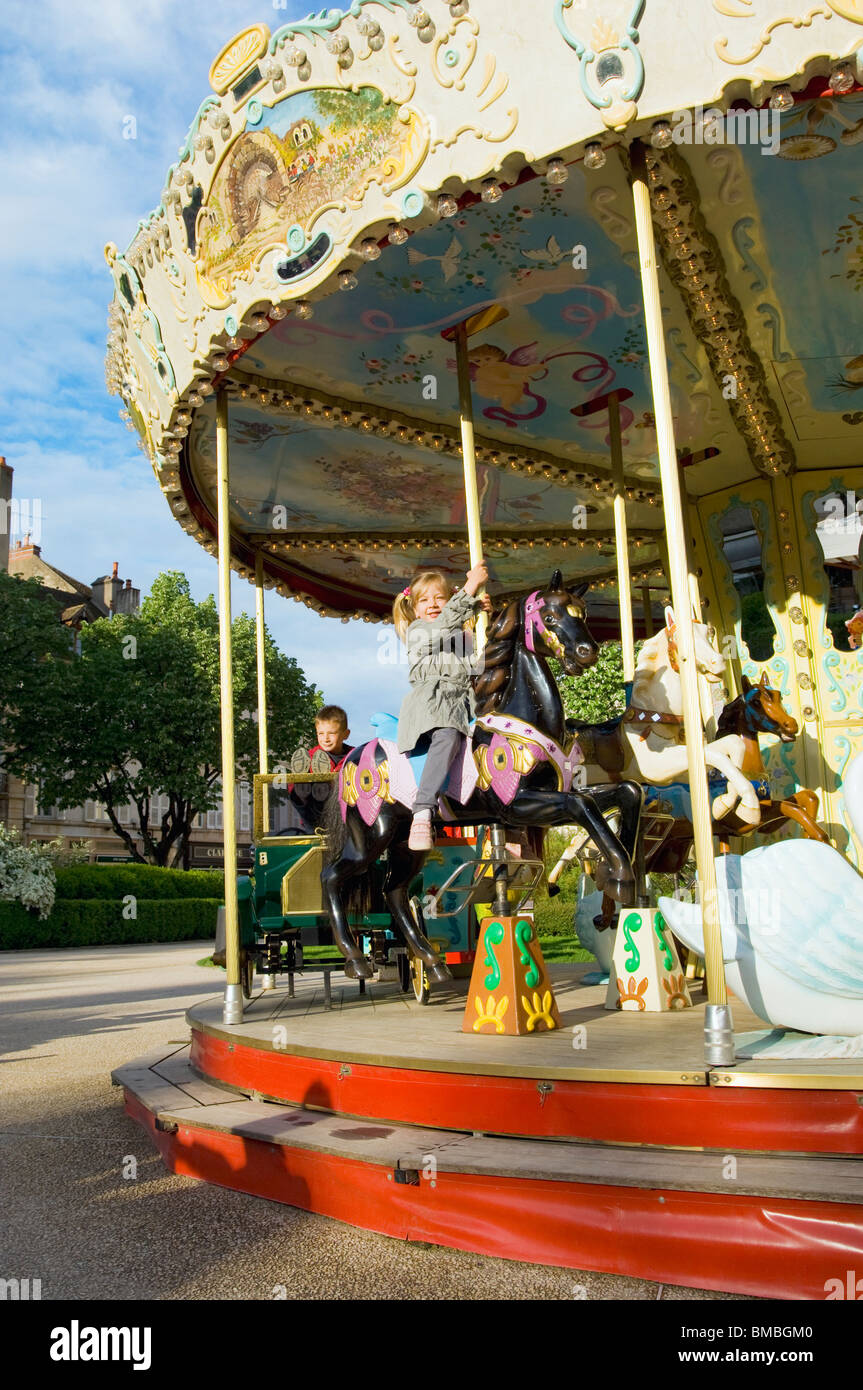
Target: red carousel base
x=559, y=1148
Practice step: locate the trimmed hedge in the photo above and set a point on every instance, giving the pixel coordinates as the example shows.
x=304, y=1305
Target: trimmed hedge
x=141, y=880
x=89, y=922
x=555, y=917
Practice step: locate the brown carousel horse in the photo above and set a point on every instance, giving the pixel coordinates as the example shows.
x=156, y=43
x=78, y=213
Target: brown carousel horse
x=759, y=710
x=520, y=772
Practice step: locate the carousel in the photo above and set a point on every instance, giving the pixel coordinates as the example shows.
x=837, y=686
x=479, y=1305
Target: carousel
x=571, y=288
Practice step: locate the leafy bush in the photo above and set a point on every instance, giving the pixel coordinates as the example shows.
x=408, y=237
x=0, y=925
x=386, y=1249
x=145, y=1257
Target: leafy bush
x=26, y=873
x=598, y=693
x=555, y=917
x=117, y=881
x=82, y=922
x=62, y=856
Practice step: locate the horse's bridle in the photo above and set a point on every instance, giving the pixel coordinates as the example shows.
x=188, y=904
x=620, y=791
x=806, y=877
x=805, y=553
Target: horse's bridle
x=535, y=626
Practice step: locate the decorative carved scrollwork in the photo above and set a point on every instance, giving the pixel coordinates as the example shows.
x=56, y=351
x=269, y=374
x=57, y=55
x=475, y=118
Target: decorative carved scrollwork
x=694, y=263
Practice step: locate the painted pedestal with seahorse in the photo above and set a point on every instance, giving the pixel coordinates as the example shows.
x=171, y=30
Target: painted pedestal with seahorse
x=646, y=974
x=510, y=990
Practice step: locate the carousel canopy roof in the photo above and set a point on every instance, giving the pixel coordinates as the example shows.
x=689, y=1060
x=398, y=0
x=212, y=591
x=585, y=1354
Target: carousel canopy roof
x=359, y=183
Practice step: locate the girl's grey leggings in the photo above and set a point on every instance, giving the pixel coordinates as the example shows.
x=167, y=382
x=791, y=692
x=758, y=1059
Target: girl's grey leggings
x=444, y=745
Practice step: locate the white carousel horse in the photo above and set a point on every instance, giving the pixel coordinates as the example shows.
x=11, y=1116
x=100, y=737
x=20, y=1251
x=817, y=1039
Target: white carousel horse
x=651, y=730
x=791, y=918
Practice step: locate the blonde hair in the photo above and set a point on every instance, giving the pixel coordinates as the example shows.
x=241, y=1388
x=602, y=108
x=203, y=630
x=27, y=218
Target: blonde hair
x=404, y=611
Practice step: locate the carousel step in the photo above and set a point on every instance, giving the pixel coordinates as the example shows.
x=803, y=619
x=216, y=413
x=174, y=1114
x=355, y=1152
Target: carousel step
x=166, y=1086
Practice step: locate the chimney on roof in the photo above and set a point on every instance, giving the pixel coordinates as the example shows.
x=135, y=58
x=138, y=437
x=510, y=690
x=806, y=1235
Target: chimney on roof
x=115, y=569
x=128, y=600
x=5, y=511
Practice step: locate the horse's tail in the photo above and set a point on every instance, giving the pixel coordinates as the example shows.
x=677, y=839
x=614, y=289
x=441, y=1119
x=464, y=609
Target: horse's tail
x=358, y=890
x=333, y=826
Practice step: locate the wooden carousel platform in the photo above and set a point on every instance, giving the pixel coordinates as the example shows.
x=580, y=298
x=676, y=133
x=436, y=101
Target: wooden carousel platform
x=607, y=1145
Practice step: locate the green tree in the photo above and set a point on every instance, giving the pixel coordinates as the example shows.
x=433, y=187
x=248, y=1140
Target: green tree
x=137, y=715
x=365, y=110
x=30, y=635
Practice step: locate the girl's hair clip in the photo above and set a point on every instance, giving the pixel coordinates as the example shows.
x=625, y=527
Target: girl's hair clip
x=406, y=593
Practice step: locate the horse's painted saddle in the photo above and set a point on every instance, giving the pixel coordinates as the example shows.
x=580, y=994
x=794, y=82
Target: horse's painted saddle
x=498, y=765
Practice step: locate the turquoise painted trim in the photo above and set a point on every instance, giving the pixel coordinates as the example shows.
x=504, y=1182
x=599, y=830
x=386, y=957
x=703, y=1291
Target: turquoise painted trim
x=743, y=244
x=231, y=325
x=773, y=319
x=169, y=383
x=586, y=55
x=123, y=266
x=413, y=202
x=296, y=238
x=831, y=661
x=255, y=112
x=317, y=25
x=285, y=284
x=694, y=374
x=814, y=567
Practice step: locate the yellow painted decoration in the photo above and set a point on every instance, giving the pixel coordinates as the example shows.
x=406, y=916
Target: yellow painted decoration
x=509, y=969
x=236, y=56
x=491, y=1013
x=541, y=1010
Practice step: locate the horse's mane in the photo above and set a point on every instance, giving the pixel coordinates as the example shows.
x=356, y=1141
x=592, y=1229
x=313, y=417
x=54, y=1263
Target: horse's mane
x=729, y=719
x=497, y=659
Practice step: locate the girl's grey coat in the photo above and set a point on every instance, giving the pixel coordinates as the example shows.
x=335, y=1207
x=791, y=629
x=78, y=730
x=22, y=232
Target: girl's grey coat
x=440, y=657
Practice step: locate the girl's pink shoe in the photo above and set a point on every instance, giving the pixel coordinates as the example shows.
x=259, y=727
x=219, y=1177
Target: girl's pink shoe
x=421, y=831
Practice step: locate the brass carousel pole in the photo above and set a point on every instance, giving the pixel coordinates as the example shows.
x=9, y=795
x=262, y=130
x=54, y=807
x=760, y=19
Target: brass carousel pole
x=611, y=403
x=459, y=335
x=468, y=451
x=718, y=1027
x=647, y=610
x=233, y=1012
x=263, y=747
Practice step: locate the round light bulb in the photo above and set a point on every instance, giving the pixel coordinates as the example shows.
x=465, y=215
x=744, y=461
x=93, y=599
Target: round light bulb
x=491, y=191
x=447, y=205
x=594, y=155
x=347, y=280
x=660, y=135
x=842, y=78
x=397, y=235
x=370, y=249
x=781, y=97
x=557, y=172
x=219, y=363
x=303, y=309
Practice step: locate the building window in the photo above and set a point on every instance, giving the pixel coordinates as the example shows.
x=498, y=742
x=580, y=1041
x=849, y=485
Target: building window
x=245, y=806
x=214, y=820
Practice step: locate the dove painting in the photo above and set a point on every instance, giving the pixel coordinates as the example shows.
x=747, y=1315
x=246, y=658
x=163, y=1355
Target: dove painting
x=448, y=261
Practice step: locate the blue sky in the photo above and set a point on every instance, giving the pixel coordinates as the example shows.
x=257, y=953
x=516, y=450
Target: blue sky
x=71, y=75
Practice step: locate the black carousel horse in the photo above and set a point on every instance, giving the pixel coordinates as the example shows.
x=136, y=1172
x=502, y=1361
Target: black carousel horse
x=521, y=735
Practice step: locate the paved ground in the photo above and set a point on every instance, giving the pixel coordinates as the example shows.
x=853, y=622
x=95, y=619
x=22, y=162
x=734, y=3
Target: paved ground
x=71, y=1218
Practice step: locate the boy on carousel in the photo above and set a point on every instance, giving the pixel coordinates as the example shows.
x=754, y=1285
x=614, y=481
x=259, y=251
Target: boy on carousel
x=302, y=813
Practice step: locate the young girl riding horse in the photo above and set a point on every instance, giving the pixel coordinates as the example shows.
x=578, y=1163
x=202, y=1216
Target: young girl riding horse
x=436, y=714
